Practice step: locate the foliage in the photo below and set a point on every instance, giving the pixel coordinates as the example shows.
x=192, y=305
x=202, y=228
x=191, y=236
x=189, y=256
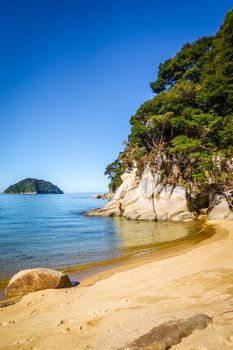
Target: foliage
x=189, y=122
x=33, y=186
x=187, y=65
x=114, y=172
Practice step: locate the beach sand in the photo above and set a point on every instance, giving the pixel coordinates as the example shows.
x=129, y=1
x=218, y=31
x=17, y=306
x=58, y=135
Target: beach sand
x=116, y=307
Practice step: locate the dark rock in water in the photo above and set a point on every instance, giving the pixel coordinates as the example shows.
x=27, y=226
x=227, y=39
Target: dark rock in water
x=170, y=333
x=103, y=196
x=33, y=186
x=32, y=280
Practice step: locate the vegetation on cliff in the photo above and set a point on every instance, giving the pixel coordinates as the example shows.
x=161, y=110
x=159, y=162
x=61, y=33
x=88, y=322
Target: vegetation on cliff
x=186, y=130
x=33, y=186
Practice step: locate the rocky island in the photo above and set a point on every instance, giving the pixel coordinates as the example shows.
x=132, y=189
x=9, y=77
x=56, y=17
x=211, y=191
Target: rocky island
x=178, y=160
x=33, y=186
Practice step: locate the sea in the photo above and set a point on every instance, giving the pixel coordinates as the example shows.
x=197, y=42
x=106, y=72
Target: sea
x=51, y=231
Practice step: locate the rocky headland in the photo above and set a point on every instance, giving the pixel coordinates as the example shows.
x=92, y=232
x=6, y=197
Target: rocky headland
x=177, y=163
x=150, y=199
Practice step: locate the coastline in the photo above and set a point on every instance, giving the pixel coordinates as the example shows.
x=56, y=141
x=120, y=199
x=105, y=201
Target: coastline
x=103, y=269
x=88, y=273
x=122, y=304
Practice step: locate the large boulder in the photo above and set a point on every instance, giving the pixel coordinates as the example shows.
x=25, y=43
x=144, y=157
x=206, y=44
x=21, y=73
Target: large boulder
x=147, y=199
x=31, y=280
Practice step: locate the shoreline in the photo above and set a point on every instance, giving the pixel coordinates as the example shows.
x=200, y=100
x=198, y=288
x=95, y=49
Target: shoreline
x=165, y=250
x=87, y=274
x=115, y=308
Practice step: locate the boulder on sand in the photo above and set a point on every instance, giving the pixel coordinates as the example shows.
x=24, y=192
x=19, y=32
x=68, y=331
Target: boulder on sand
x=32, y=280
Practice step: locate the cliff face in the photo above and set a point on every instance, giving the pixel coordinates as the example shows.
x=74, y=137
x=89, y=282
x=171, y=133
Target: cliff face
x=149, y=199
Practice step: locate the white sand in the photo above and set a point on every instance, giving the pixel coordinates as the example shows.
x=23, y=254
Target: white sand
x=117, y=310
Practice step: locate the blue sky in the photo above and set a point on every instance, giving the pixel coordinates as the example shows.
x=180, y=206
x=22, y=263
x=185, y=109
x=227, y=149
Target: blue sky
x=73, y=72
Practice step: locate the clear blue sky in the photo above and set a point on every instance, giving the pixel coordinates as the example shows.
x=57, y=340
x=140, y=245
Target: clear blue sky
x=72, y=73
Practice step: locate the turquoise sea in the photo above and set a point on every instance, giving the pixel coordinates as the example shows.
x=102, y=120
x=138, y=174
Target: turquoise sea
x=51, y=231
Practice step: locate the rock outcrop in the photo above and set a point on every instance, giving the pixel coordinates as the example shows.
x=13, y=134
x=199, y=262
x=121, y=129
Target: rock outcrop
x=147, y=199
x=221, y=209
x=32, y=280
x=180, y=139
x=150, y=199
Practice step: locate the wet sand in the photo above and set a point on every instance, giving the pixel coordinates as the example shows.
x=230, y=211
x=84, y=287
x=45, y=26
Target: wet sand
x=113, y=308
x=87, y=274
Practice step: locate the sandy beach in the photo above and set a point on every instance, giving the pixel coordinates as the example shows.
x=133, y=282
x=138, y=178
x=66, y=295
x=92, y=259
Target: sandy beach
x=114, y=308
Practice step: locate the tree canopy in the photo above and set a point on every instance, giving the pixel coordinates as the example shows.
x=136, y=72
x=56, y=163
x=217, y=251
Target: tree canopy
x=189, y=121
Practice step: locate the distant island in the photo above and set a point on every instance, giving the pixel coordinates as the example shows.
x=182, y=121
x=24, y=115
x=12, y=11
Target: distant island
x=33, y=186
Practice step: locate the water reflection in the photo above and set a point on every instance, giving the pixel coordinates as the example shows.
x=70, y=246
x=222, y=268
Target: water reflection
x=134, y=235
x=50, y=231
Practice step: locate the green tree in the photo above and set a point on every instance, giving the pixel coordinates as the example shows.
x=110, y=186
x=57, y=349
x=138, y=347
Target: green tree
x=189, y=121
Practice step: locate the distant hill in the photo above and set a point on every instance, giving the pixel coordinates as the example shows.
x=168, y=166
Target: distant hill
x=33, y=186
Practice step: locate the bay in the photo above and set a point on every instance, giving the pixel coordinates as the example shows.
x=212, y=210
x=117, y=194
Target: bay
x=51, y=231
